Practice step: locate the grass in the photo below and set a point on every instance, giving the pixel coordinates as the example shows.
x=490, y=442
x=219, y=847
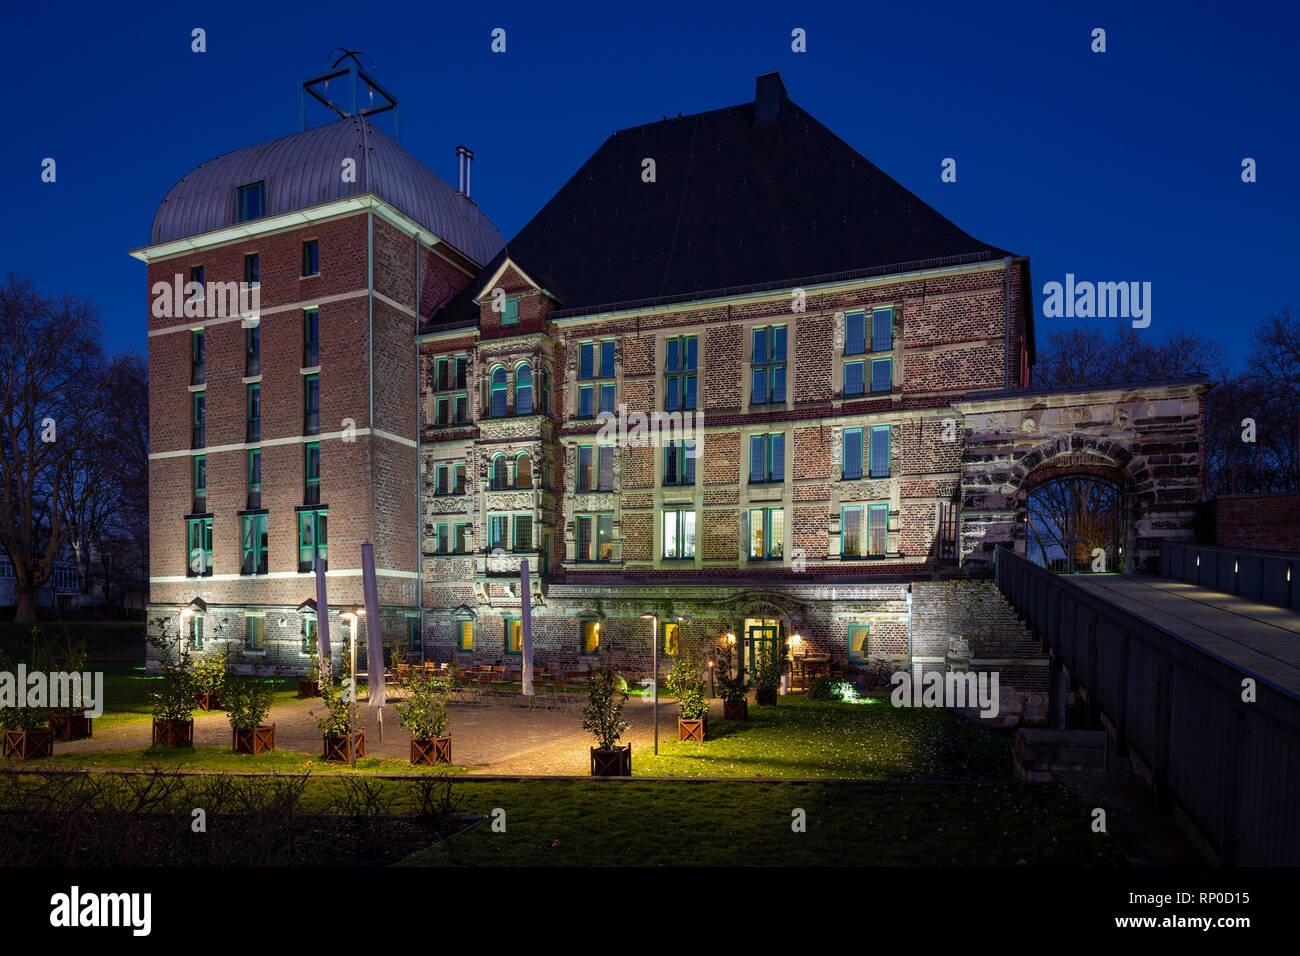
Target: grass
x=803, y=738
x=218, y=759
x=581, y=823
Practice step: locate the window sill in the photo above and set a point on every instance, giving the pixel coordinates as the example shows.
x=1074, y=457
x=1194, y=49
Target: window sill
x=310, y=369
x=251, y=379
x=314, y=275
x=198, y=388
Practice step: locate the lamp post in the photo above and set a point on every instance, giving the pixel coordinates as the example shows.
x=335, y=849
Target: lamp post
x=351, y=616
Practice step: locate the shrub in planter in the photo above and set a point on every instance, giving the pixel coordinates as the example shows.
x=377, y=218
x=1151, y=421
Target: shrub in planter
x=732, y=688
x=71, y=724
x=424, y=714
x=309, y=683
x=248, y=701
x=686, y=683
x=26, y=729
x=210, y=680
x=603, y=717
x=767, y=674
x=335, y=725
x=173, y=706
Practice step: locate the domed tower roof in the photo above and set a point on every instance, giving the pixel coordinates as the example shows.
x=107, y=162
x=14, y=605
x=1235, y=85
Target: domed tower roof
x=305, y=169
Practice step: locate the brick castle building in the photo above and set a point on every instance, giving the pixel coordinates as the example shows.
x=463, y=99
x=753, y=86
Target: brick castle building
x=731, y=374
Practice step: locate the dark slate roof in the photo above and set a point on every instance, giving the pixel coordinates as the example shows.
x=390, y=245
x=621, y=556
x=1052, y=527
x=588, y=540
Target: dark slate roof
x=736, y=203
x=303, y=170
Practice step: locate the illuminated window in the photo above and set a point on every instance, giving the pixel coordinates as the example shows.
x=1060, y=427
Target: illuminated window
x=466, y=635
x=254, y=633
x=590, y=637
x=859, y=643
x=670, y=638
x=514, y=636
x=679, y=534
x=766, y=533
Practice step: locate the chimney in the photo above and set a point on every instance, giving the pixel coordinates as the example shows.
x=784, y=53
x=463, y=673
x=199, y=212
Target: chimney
x=464, y=156
x=769, y=99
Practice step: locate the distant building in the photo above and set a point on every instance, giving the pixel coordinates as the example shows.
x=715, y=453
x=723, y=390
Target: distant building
x=869, y=429
x=60, y=592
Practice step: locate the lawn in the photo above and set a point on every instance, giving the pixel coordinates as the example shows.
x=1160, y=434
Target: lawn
x=218, y=759
x=589, y=823
x=803, y=738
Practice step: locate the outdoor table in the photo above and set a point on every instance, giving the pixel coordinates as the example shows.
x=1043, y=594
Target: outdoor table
x=815, y=665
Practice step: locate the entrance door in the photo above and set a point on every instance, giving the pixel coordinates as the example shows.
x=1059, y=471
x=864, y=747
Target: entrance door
x=760, y=637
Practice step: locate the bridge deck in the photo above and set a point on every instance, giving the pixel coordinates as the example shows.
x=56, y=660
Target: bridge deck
x=1260, y=638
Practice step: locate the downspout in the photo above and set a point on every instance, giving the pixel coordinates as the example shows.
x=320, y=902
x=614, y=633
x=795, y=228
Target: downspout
x=419, y=434
x=1006, y=358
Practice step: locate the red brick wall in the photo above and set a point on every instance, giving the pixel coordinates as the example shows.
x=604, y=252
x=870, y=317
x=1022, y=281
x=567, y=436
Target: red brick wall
x=1266, y=522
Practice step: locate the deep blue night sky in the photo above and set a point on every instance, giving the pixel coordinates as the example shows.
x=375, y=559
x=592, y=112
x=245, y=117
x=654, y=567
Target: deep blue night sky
x=1117, y=166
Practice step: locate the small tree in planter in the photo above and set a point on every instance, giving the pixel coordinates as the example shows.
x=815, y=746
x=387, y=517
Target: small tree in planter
x=732, y=688
x=767, y=673
x=309, y=683
x=210, y=680
x=26, y=730
x=248, y=701
x=424, y=714
x=335, y=724
x=686, y=683
x=69, y=723
x=173, y=706
x=603, y=717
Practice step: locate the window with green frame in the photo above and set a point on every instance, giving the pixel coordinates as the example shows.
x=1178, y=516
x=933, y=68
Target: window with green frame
x=311, y=473
x=679, y=534
x=196, y=631
x=681, y=360
x=308, y=634
x=882, y=328
x=200, y=503
x=440, y=486
x=855, y=332
x=880, y=451
x=595, y=534
x=851, y=531
x=311, y=257
x=767, y=457
x=253, y=350
x=855, y=378
x=254, y=633
x=877, y=529
x=514, y=636
x=311, y=404
x=499, y=392
x=851, y=466
x=767, y=366
x=254, y=406
x=199, y=547
x=251, y=269
x=679, y=462
x=498, y=536
x=590, y=637
x=312, y=538
x=882, y=375
x=253, y=544
x=523, y=533
x=441, y=538
x=413, y=642
x=196, y=357
x=458, y=486
x=460, y=538
x=765, y=532
x=510, y=311
x=859, y=643
x=465, y=635
x=199, y=436
x=595, y=467
x=254, y=477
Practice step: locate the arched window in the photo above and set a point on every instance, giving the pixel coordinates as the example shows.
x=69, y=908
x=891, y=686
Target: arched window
x=523, y=471
x=499, y=392
x=524, y=390
x=546, y=391
x=500, y=473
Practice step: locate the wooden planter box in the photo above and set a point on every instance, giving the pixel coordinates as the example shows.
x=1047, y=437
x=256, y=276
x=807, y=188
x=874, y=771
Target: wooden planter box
x=692, y=729
x=766, y=696
x=430, y=750
x=70, y=724
x=259, y=740
x=173, y=733
x=339, y=747
x=308, y=688
x=206, y=701
x=611, y=763
x=737, y=711
x=28, y=744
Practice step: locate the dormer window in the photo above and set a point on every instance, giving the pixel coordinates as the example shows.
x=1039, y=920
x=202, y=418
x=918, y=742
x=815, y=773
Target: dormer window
x=251, y=202
x=510, y=312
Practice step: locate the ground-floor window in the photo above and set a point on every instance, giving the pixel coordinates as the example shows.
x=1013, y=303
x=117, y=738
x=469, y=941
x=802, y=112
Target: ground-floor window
x=309, y=635
x=859, y=643
x=254, y=632
x=590, y=637
x=196, y=631
x=412, y=633
x=670, y=638
x=514, y=636
x=466, y=635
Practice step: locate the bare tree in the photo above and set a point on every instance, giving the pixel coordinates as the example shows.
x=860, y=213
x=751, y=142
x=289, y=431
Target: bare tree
x=51, y=425
x=1073, y=357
